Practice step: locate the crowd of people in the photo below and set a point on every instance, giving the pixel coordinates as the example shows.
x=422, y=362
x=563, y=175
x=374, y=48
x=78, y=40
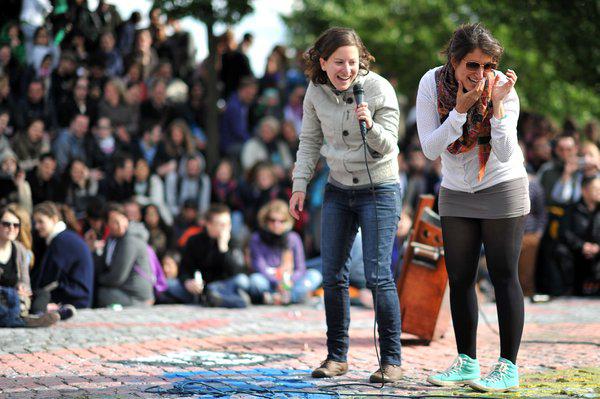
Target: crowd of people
x=107, y=199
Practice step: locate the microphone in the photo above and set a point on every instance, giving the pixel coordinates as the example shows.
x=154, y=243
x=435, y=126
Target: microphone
x=358, y=97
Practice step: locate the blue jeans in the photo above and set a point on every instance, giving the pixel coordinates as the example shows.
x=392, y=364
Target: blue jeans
x=311, y=280
x=226, y=289
x=344, y=211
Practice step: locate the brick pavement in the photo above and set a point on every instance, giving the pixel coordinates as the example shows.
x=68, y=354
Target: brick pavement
x=120, y=354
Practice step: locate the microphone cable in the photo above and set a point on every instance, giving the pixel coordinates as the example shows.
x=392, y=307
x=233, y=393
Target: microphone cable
x=376, y=292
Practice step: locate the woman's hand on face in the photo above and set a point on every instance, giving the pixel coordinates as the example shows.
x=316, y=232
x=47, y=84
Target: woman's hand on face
x=364, y=114
x=499, y=92
x=297, y=204
x=464, y=101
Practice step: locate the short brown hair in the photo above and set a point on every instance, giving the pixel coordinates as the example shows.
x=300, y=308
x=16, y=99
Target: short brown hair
x=47, y=208
x=469, y=37
x=216, y=209
x=326, y=44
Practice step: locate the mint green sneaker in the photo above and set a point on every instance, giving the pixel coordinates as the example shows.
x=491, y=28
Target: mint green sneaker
x=463, y=371
x=504, y=377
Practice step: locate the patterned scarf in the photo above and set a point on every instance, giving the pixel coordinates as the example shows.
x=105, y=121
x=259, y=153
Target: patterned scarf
x=477, y=129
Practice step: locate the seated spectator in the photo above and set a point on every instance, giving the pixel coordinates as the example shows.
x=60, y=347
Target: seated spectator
x=42, y=46
x=5, y=130
x=262, y=186
x=156, y=109
x=114, y=107
x=193, y=184
x=149, y=189
x=34, y=105
x=13, y=186
x=114, y=61
x=44, y=183
x=267, y=146
x=552, y=171
x=225, y=191
x=233, y=128
x=31, y=144
x=15, y=287
x=580, y=232
x=62, y=79
x=177, y=146
x=293, y=109
x=143, y=53
x=175, y=292
x=67, y=261
x=102, y=145
x=160, y=234
x=118, y=186
x=71, y=142
x=78, y=102
x=567, y=190
x=79, y=186
x=277, y=259
x=123, y=274
x=220, y=262
x=7, y=101
x=187, y=223
x=148, y=143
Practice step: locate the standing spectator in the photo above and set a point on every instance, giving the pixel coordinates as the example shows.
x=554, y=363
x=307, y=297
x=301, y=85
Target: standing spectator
x=156, y=109
x=109, y=17
x=44, y=183
x=219, y=260
x=234, y=127
x=123, y=274
x=193, y=184
x=580, y=232
x=277, y=258
x=71, y=143
x=31, y=144
x=127, y=34
x=235, y=65
x=67, y=260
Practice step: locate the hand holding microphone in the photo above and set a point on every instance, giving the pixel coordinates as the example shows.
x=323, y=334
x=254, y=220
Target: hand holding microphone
x=365, y=119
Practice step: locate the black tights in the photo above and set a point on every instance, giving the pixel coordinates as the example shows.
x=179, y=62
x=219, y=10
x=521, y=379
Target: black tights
x=502, y=242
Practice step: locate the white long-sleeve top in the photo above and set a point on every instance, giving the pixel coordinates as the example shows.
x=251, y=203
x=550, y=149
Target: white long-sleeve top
x=459, y=171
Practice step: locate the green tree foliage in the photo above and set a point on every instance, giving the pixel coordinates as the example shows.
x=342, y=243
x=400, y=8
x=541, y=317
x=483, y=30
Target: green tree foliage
x=551, y=44
x=209, y=12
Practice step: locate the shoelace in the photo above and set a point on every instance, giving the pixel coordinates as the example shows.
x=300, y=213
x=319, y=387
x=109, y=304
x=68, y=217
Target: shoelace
x=497, y=373
x=456, y=366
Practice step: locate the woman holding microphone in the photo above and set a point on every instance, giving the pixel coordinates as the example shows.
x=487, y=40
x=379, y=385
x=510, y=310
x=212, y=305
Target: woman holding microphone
x=362, y=191
x=467, y=113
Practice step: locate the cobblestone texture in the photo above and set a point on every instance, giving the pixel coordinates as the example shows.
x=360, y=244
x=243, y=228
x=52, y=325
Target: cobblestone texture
x=110, y=354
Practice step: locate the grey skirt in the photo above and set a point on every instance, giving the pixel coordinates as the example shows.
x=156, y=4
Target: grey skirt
x=503, y=200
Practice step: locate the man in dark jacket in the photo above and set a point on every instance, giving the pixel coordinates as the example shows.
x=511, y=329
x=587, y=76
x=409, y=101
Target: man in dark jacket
x=219, y=261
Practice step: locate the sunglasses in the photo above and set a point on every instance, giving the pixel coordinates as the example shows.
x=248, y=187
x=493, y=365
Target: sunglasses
x=474, y=66
x=273, y=220
x=9, y=224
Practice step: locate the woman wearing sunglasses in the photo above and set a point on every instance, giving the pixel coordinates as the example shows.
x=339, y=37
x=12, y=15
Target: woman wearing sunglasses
x=467, y=113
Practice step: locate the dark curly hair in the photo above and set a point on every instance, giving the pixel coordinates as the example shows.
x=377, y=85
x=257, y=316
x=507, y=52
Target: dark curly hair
x=326, y=44
x=469, y=37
